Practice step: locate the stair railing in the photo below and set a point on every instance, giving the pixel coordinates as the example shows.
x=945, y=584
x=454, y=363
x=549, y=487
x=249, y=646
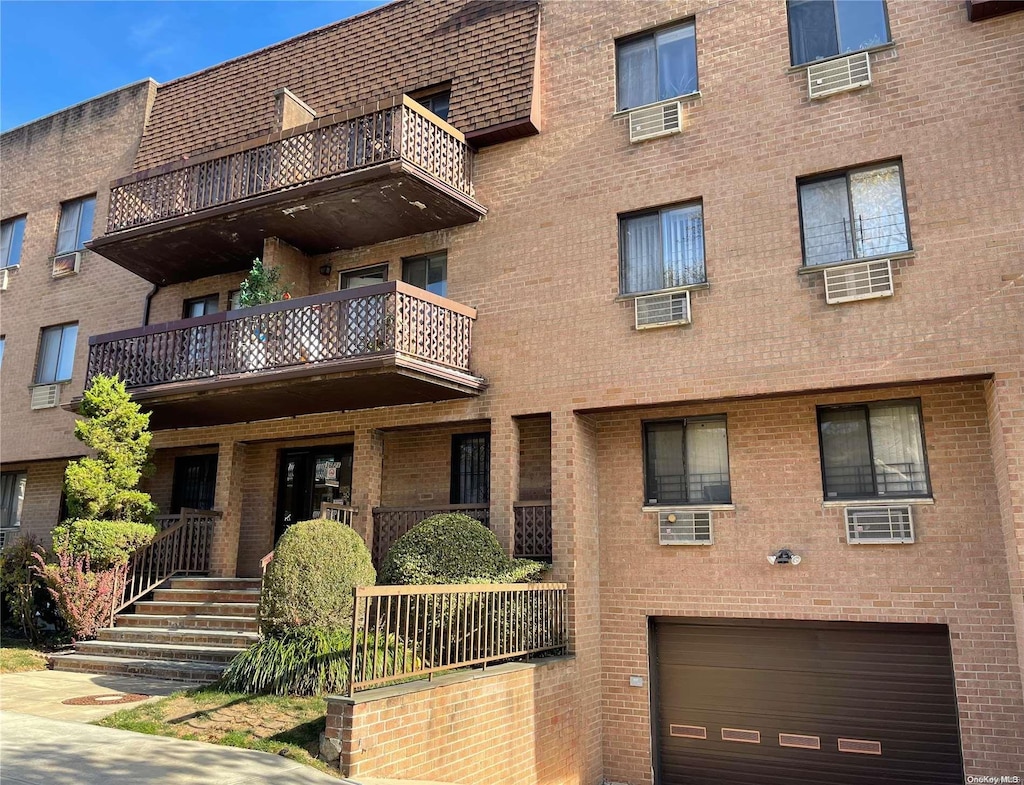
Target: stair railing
x=332, y=511
x=182, y=548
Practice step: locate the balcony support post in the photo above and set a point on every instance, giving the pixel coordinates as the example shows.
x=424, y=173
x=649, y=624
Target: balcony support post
x=231, y=472
x=504, y=479
x=367, y=472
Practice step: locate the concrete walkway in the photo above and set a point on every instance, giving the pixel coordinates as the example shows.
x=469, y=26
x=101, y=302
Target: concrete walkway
x=40, y=751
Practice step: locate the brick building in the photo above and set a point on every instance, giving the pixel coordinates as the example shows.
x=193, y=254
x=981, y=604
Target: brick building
x=481, y=209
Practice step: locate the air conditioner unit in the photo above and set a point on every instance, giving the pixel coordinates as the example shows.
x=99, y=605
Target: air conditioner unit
x=654, y=121
x=860, y=281
x=3, y=280
x=66, y=264
x=879, y=525
x=45, y=396
x=685, y=527
x=838, y=76
x=661, y=310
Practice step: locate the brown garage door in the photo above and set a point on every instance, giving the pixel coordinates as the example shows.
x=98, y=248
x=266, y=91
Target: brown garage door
x=811, y=703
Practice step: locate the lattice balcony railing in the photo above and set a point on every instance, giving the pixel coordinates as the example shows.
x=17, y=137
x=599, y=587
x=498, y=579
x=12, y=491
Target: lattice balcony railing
x=397, y=129
x=385, y=318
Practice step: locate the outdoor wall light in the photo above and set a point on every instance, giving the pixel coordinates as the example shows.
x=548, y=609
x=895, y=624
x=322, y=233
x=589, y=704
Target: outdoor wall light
x=325, y=269
x=783, y=556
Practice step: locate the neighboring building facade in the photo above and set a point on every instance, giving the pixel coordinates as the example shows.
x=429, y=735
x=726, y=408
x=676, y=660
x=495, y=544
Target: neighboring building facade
x=468, y=328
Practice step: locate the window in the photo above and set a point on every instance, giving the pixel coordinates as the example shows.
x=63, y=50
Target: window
x=12, y=498
x=873, y=450
x=656, y=66
x=686, y=462
x=12, y=232
x=826, y=28
x=200, y=306
x=3, y=344
x=853, y=215
x=471, y=468
x=56, y=353
x=75, y=228
x=195, y=482
x=427, y=272
x=661, y=249
x=234, y=299
x=367, y=276
x=437, y=103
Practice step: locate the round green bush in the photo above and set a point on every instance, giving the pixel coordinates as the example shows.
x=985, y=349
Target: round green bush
x=105, y=542
x=452, y=548
x=316, y=566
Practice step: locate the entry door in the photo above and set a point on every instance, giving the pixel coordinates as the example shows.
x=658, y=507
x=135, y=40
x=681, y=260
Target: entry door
x=309, y=477
x=826, y=703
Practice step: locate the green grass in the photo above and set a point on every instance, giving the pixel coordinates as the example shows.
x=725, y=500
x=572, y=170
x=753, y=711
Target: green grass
x=18, y=656
x=288, y=726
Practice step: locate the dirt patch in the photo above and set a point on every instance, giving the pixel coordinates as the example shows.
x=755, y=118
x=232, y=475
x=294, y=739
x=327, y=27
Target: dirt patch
x=105, y=700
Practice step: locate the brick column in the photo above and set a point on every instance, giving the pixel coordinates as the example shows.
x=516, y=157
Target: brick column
x=1004, y=396
x=367, y=474
x=504, y=478
x=576, y=560
x=228, y=500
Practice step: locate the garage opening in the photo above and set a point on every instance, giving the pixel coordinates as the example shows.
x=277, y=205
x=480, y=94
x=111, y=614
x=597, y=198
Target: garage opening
x=778, y=702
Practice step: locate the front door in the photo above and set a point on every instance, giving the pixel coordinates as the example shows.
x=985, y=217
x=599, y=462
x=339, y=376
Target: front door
x=308, y=477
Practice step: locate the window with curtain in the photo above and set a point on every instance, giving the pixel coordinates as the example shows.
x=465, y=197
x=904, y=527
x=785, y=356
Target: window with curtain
x=819, y=29
x=427, y=272
x=12, y=232
x=873, y=450
x=12, y=498
x=662, y=249
x=686, y=462
x=656, y=66
x=56, y=353
x=853, y=215
x=75, y=228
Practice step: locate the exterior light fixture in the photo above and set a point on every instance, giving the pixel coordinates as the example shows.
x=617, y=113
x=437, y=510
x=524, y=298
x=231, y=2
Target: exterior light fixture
x=783, y=556
x=325, y=269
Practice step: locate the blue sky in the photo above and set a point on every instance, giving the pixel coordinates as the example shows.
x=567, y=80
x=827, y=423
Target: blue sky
x=55, y=53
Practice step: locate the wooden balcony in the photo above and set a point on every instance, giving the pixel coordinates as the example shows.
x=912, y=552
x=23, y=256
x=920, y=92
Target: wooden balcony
x=380, y=345
x=351, y=179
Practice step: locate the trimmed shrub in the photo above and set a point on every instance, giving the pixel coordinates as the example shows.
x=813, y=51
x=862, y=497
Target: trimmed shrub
x=453, y=548
x=106, y=543
x=316, y=566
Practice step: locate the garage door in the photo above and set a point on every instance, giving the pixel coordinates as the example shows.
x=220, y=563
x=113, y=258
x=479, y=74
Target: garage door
x=830, y=703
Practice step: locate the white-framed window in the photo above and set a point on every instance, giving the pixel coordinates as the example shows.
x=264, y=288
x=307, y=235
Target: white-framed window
x=200, y=306
x=661, y=249
x=12, y=498
x=429, y=272
x=12, y=232
x=819, y=29
x=656, y=66
x=438, y=102
x=856, y=214
x=873, y=450
x=364, y=276
x=686, y=461
x=75, y=228
x=56, y=353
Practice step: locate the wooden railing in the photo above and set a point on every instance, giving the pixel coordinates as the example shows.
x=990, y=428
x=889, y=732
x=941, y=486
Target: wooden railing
x=404, y=632
x=333, y=327
x=332, y=511
x=182, y=548
x=532, y=536
x=398, y=128
x=390, y=523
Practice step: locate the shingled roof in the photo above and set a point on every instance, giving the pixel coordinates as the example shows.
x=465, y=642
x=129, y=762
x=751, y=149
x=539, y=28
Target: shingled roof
x=484, y=48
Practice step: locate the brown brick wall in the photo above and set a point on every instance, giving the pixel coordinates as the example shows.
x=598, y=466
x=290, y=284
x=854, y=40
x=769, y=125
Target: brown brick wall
x=508, y=726
x=534, y=458
x=418, y=465
x=40, y=510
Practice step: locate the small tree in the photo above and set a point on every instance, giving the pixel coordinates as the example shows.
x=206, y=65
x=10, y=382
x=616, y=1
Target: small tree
x=262, y=285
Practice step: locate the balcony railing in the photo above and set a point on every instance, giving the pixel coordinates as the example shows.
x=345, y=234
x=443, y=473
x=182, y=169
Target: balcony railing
x=390, y=523
x=533, y=530
x=338, y=144
x=337, y=327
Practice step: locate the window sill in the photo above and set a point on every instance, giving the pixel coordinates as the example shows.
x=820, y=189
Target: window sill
x=691, y=288
x=693, y=507
x=876, y=501
x=686, y=97
x=816, y=268
x=794, y=69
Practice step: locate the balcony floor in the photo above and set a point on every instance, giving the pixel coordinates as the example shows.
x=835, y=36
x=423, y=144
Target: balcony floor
x=364, y=207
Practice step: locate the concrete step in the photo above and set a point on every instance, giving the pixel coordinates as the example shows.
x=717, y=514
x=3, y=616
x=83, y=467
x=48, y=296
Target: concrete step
x=215, y=584
x=207, y=595
x=196, y=608
x=192, y=672
x=159, y=651
x=184, y=637
x=190, y=622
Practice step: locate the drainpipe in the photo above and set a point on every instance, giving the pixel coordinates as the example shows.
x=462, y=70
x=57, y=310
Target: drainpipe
x=149, y=302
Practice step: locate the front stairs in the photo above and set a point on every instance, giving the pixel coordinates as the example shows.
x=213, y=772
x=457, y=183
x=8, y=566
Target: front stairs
x=189, y=631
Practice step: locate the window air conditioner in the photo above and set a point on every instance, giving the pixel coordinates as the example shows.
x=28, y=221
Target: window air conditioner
x=45, y=396
x=3, y=280
x=654, y=121
x=685, y=527
x=66, y=264
x=661, y=310
x=860, y=281
x=838, y=76
x=879, y=525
